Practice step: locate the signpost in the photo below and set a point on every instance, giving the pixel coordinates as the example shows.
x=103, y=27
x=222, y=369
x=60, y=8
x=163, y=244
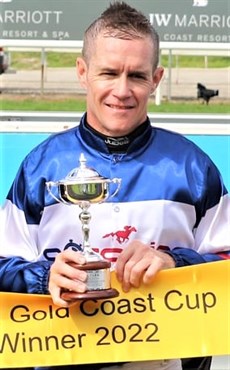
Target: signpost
x=182, y=24
x=62, y=23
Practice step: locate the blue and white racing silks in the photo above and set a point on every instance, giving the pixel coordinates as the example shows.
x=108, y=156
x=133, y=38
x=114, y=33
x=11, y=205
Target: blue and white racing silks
x=171, y=196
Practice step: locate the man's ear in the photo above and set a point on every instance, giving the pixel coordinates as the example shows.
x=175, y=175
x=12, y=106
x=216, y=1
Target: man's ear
x=82, y=72
x=157, y=77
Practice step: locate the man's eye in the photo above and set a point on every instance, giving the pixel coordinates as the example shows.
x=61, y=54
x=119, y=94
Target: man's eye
x=138, y=76
x=109, y=73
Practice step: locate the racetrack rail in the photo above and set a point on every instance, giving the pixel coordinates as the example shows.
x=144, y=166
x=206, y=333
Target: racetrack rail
x=19, y=121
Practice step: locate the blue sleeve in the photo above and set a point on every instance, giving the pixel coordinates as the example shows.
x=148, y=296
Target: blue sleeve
x=18, y=275
x=187, y=257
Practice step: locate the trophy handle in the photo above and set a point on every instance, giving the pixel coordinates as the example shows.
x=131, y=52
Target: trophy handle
x=115, y=181
x=49, y=185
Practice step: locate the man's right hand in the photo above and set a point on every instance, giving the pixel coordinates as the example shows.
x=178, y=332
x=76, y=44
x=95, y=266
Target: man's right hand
x=63, y=276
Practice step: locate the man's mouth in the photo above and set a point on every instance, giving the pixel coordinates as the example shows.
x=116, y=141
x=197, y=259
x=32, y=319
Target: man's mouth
x=119, y=107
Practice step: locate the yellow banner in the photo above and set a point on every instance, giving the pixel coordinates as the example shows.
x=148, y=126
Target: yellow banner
x=184, y=313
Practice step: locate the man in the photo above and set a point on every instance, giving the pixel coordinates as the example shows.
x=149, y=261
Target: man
x=171, y=193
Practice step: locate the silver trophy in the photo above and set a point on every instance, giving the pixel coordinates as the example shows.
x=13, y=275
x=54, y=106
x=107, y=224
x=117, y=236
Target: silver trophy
x=84, y=186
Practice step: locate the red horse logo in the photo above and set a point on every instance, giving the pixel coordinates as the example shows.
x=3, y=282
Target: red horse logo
x=122, y=235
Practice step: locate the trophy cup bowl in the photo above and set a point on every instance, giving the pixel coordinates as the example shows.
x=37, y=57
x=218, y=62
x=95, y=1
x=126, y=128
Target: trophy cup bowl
x=83, y=186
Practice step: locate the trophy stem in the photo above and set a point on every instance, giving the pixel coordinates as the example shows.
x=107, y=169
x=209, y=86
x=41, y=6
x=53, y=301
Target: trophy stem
x=85, y=218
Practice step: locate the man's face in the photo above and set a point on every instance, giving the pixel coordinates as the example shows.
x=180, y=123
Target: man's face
x=118, y=78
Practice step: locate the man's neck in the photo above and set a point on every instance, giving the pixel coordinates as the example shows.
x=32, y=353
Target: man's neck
x=120, y=144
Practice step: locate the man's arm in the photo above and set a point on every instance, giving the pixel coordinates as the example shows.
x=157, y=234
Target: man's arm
x=187, y=257
x=19, y=275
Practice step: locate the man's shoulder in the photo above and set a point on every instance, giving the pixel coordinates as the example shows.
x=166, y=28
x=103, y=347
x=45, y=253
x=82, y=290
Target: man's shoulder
x=173, y=137
x=56, y=141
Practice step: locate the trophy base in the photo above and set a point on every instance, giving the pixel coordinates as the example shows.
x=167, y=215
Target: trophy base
x=90, y=294
x=98, y=282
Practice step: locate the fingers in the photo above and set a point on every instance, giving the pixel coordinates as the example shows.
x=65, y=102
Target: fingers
x=121, y=263
x=139, y=263
x=133, y=271
x=56, y=297
x=63, y=276
x=160, y=262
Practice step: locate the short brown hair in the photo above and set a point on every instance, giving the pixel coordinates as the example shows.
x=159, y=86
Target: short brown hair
x=121, y=21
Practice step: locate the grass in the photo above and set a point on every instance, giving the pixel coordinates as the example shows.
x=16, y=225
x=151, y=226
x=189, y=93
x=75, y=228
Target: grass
x=44, y=103
x=32, y=60
x=193, y=61
x=76, y=104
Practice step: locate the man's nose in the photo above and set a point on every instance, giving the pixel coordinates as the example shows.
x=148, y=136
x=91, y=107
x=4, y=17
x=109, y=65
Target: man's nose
x=122, y=88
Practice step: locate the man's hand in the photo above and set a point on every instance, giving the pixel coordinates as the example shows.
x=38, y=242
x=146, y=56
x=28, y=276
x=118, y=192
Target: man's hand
x=65, y=276
x=139, y=263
